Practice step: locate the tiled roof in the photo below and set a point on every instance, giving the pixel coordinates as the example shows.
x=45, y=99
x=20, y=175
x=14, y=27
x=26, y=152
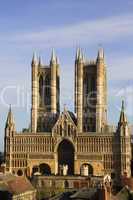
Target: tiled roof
x=15, y=185
x=84, y=194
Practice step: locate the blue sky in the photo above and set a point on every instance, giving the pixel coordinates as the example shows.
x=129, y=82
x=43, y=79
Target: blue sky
x=29, y=25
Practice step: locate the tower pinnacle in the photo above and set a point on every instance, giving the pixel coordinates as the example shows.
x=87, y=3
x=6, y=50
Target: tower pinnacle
x=34, y=59
x=53, y=56
x=10, y=118
x=39, y=62
x=77, y=54
x=57, y=60
x=123, y=118
x=80, y=55
x=100, y=54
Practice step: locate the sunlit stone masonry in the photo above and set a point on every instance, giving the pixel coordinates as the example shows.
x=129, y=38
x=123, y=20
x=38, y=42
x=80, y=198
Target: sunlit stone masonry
x=67, y=143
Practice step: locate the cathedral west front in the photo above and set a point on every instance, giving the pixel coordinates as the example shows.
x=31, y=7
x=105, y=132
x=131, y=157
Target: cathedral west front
x=66, y=143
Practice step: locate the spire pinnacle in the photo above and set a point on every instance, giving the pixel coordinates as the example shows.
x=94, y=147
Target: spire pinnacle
x=10, y=118
x=53, y=56
x=57, y=60
x=77, y=54
x=83, y=56
x=34, y=59
x=100, y=54
x=39, y=62
x=122, y=114
x=122, y=107
x=80, y=55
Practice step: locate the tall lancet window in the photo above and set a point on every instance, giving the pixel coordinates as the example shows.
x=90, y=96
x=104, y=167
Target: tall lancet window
x=41, y=91
x=47, y=91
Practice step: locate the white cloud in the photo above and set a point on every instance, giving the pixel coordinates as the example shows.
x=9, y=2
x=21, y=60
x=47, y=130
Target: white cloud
x=88, y=32
x=120, y=67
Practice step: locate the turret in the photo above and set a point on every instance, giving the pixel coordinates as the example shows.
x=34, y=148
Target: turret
x=34, y=60
x=123, y=124
x=53, y=57
x=39, y=62
x=10, y=124
x=100, y=55
x=53, y=65
x=75, y=85
x=77, y=54
x=123, y=133
x=80, y=56
x=34, y=65
x=101, y=107
x=79, y=89
x=58, y=84
x=8, y=144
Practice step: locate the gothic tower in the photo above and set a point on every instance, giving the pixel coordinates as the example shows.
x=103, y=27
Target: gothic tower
x=45, y=92
x=79, y=89
x=123, y=132
x=9, y=133
x=90, y=93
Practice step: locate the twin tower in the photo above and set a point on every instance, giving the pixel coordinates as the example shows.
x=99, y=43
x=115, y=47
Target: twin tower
x=90, y=93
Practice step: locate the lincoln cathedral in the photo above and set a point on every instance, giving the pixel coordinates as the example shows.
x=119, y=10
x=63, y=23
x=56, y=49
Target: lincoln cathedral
x=65, y=142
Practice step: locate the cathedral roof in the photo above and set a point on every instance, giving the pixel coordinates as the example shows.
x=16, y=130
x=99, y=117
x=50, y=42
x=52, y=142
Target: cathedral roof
x=73, y=117
x=15, y=185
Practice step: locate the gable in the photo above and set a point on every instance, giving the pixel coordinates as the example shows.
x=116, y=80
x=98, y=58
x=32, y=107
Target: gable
x=65, y=125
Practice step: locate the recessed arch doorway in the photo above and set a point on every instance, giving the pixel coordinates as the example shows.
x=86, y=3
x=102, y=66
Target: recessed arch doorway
x=66, y=158
x=86, y=169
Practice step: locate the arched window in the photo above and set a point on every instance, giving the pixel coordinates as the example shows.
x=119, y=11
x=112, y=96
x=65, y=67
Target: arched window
x=93, y=84
x=66, y=157
x=47, y=90
x=40, y=90
x=86, y=169
x=44, y=169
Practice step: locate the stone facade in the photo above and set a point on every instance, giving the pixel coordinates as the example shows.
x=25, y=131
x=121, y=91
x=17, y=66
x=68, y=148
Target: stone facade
x=83, y=141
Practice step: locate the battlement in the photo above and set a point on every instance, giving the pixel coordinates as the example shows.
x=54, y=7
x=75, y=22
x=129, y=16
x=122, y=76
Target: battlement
x=90, y=62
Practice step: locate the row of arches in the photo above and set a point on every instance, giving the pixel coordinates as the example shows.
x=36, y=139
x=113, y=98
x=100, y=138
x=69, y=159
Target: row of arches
x=66, y=154
x=65, y=162
x=44, y=169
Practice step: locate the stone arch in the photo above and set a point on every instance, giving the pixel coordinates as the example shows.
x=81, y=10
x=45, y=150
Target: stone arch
x=60, y=140
x=44, y=169
x=20, y=172
x=86, y=169
x=66, y=154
